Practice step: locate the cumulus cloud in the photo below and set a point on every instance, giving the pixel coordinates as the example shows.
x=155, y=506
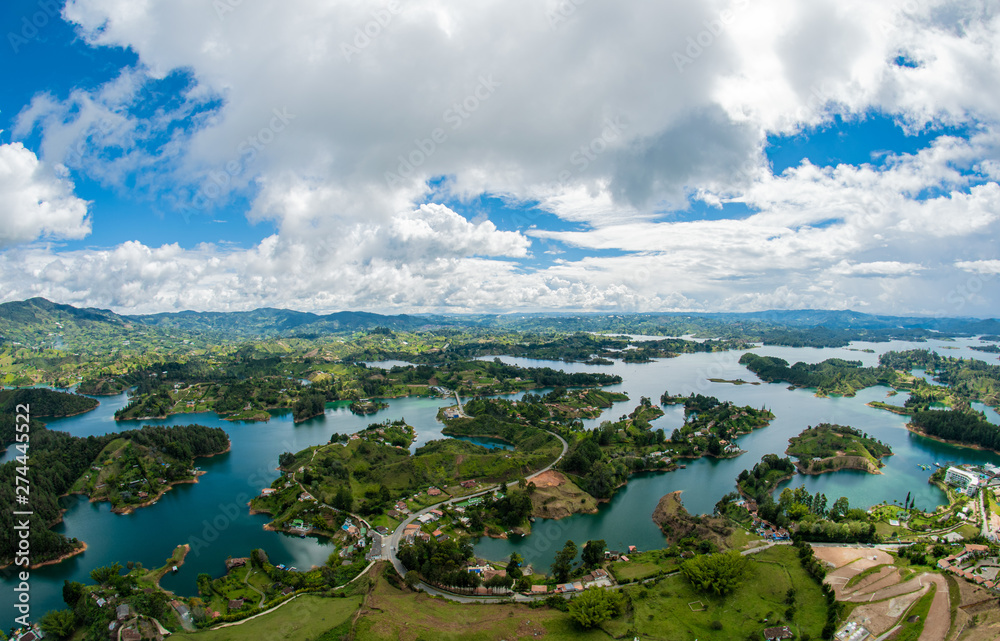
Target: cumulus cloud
x=611, y=117
x=37, y=200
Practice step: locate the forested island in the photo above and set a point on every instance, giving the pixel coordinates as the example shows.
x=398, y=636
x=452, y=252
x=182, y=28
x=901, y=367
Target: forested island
x=136, y=467
x=711, y=426
x=58, y=461
x=828, y=448
x=249, y=390
x=832, y=376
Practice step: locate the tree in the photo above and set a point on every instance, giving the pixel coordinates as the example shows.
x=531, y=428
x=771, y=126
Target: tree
x=499, y=581
x=718, y=573
x=72, y=591
x=593, y=553
x=106, y=573
x=840, y=508
x=285, y=459
x=205, y=585
x=343, y=500
x=58, y=623
x=595, y=606
x=412, y=578
x=563, y=563
x=514, y=566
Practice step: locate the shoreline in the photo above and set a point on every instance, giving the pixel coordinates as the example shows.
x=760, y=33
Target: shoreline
x=75, y=413
x=128, y=509
x=844, y=465
x=972, y=446
x=58, y=559
x=178, y=564
x=888, y=408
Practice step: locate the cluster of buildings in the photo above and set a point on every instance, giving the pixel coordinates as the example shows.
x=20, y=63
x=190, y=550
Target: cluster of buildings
x=761, y=527
x=852, y=631
x=973, y=565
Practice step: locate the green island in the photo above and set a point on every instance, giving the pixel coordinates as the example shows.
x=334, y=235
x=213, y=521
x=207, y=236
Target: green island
x=723, y=575
x=367, y=406
x=248, y=389
x=711, y=426
x=138, y=466
x=833, y=376
x=828, y=448
x=60, y=463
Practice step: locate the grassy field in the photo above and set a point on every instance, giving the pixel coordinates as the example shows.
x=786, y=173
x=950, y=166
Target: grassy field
x=559, y=501
x=304, y=619
x=391, y=614
x=663, y=611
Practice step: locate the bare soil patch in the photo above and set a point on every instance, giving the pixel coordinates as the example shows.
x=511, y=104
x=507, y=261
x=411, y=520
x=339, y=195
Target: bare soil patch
x=840, y=557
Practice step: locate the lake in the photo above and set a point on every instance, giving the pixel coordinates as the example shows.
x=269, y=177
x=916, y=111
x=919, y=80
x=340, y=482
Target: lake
x=212, y=515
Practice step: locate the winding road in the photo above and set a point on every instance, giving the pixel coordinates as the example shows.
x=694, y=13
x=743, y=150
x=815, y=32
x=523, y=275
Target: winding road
x=389, y=551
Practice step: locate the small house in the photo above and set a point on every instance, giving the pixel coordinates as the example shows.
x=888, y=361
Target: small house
x=780, y=632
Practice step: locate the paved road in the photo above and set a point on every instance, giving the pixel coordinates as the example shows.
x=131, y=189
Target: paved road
x=389, y=552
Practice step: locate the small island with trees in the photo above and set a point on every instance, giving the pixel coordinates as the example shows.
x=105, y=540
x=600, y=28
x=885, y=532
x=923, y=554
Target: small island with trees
x=828, y=448
x=136, y=467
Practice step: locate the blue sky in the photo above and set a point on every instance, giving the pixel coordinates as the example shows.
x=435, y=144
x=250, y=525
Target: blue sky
x=435, y=156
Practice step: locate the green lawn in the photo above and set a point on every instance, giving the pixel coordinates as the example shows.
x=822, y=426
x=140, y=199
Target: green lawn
x=393, y=614
x=662, y=611
x=305, y=618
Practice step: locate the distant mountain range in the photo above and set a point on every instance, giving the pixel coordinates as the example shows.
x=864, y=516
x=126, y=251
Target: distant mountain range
x=36, y=320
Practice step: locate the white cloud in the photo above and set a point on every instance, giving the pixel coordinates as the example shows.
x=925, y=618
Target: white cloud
x=594, y=118
x=37, y=200
x=979, y=266
x=886, y=268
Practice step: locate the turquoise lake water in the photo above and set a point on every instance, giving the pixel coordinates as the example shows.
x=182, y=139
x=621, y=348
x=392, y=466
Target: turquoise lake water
x=212, y=515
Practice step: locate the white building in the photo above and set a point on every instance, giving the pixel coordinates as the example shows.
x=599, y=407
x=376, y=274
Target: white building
x=960, y=478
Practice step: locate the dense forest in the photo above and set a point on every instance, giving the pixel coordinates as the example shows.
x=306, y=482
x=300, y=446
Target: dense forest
x=963, y=426
x=64, y=458
x=45, y=402
x=832, y=376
